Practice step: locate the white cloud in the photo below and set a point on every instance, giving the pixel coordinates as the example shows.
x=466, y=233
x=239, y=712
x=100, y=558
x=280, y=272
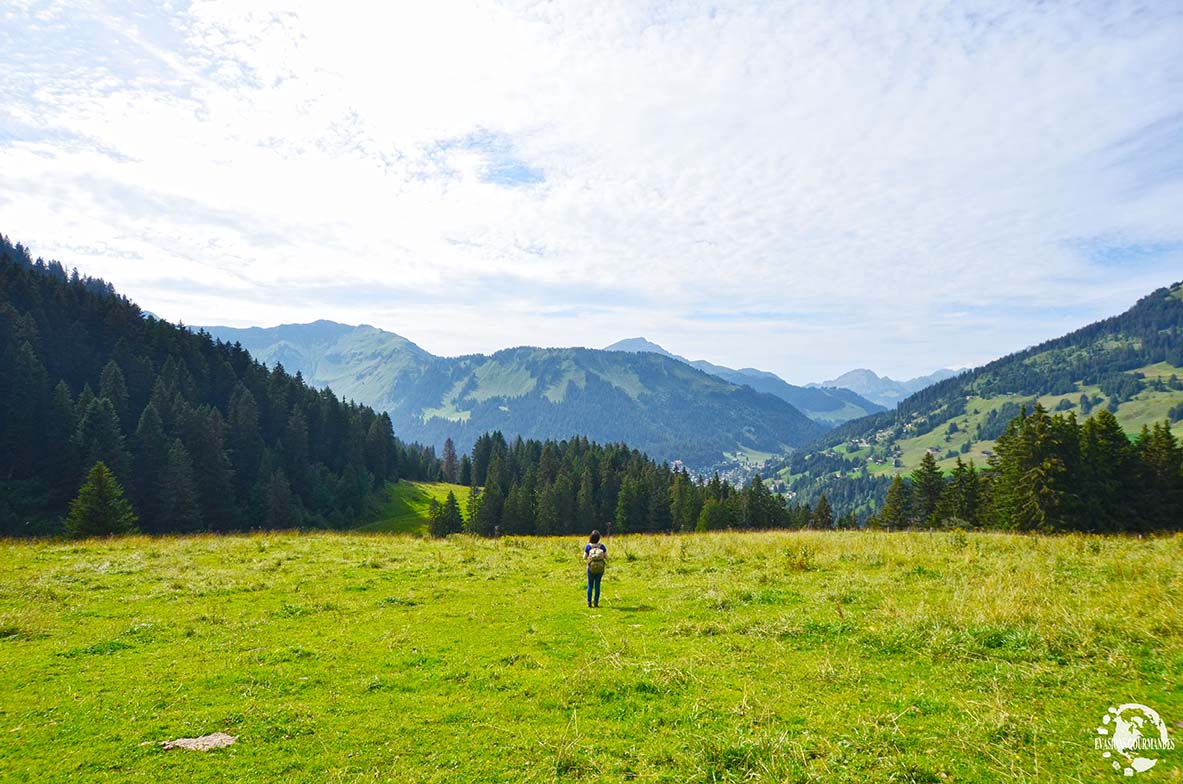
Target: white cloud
x=898, y=186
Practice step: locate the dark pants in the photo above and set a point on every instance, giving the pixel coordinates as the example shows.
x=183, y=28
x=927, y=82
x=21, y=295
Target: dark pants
x=593, y=583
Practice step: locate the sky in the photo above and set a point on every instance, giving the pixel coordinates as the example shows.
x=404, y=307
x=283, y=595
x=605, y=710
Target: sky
x=802, y=187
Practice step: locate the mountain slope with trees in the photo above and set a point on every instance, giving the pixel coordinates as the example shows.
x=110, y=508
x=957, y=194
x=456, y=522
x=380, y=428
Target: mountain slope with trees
x=829, y=406
x=1130, y=366
x=657, y=404
x=197, y=434
x=1051, y=474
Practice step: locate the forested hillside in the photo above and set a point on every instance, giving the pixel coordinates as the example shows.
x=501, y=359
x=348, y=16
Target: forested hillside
x=829, y=406
x=1129, y=365
x=574, y=486
x=656, y=404
x=198, y=434
x=1051, y=473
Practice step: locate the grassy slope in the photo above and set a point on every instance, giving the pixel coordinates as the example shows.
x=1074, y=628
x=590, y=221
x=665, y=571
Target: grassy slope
x=407, y=504
x=841, y=657
x=1147, y=408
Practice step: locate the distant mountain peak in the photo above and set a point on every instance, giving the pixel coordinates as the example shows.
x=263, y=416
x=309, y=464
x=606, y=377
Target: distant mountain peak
x=864, y=373
x=884, y=390
x=638, y=345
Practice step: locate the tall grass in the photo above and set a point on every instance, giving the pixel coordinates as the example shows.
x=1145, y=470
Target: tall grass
x=787, y=656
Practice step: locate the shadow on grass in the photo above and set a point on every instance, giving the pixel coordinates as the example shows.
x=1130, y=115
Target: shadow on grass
x=627, y=608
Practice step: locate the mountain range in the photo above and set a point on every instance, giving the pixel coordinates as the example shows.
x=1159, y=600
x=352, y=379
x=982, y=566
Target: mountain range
x=655, y=403
x=884, y=391
x=830, y=404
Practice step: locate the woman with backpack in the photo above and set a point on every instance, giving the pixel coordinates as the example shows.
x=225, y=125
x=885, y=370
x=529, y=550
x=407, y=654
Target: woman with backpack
x=596, y=556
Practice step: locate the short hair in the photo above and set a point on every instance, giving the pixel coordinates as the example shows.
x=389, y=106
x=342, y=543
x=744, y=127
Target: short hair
x=595, y=537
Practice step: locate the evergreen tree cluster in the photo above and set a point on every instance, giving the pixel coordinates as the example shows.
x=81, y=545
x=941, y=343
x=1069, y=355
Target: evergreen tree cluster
x=844, y=481
x=445, y=518
x=198, y=434
x=575, y=486
x=1048, y=474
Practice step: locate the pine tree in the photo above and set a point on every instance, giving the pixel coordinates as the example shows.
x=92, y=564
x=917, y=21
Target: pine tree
x=377, y=456
x=180, y=507
x=823, y=515
x=280, y=511
x=685, y=503
x=632, y=507
x=488, y=519
x=1107, y=475
x=60, y=465
x=960, y=499
x=548, y=463
x=435, y=520
x=21, y=440
x=243, y=438
x=473, y=507
x=585, y=503
x=452, y=520
x=100, y=508
x=1162, y=477
x=482, y=450
x=518, y=515
x=465, y=475
x=99, y=438
x=295, y=448
x=151, y=456
x=713, y=516
x=548, y=519
x=657, y=517
x=113, y=387
x=85, y=398
x=212, y=470
x=896, y=513
x=927, y=485
x=451, y=466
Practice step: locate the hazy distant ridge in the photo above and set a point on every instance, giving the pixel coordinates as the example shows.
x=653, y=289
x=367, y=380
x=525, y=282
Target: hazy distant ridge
x=829, y=406
x=885, y=391
x=655, y=403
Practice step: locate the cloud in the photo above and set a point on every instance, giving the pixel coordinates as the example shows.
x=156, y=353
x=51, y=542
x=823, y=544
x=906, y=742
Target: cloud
x=798, y=187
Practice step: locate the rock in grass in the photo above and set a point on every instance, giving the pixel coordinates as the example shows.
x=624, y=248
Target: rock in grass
x=216, y=740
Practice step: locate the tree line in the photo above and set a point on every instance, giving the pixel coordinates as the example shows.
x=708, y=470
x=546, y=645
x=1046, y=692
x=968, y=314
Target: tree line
x=574, y=486
x=199, y=435
x=1049, y=473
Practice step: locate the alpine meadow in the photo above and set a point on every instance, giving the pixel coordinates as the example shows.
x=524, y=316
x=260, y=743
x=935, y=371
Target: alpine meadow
x=770, y=657
x=676, y=393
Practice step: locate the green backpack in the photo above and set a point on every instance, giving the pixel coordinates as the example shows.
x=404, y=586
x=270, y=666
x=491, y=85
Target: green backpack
x=597, y=559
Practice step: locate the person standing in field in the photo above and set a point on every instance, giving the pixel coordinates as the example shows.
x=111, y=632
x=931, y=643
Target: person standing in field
x=596, y=556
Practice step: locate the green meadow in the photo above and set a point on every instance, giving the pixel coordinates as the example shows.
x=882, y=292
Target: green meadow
x=762, y=657
x=406, y=505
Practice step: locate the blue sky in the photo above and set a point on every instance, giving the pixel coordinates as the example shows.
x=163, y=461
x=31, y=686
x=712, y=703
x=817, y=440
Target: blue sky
x=799, y=187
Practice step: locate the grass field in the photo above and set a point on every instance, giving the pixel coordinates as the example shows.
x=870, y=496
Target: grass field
x=405, y=507
x=781, y=657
